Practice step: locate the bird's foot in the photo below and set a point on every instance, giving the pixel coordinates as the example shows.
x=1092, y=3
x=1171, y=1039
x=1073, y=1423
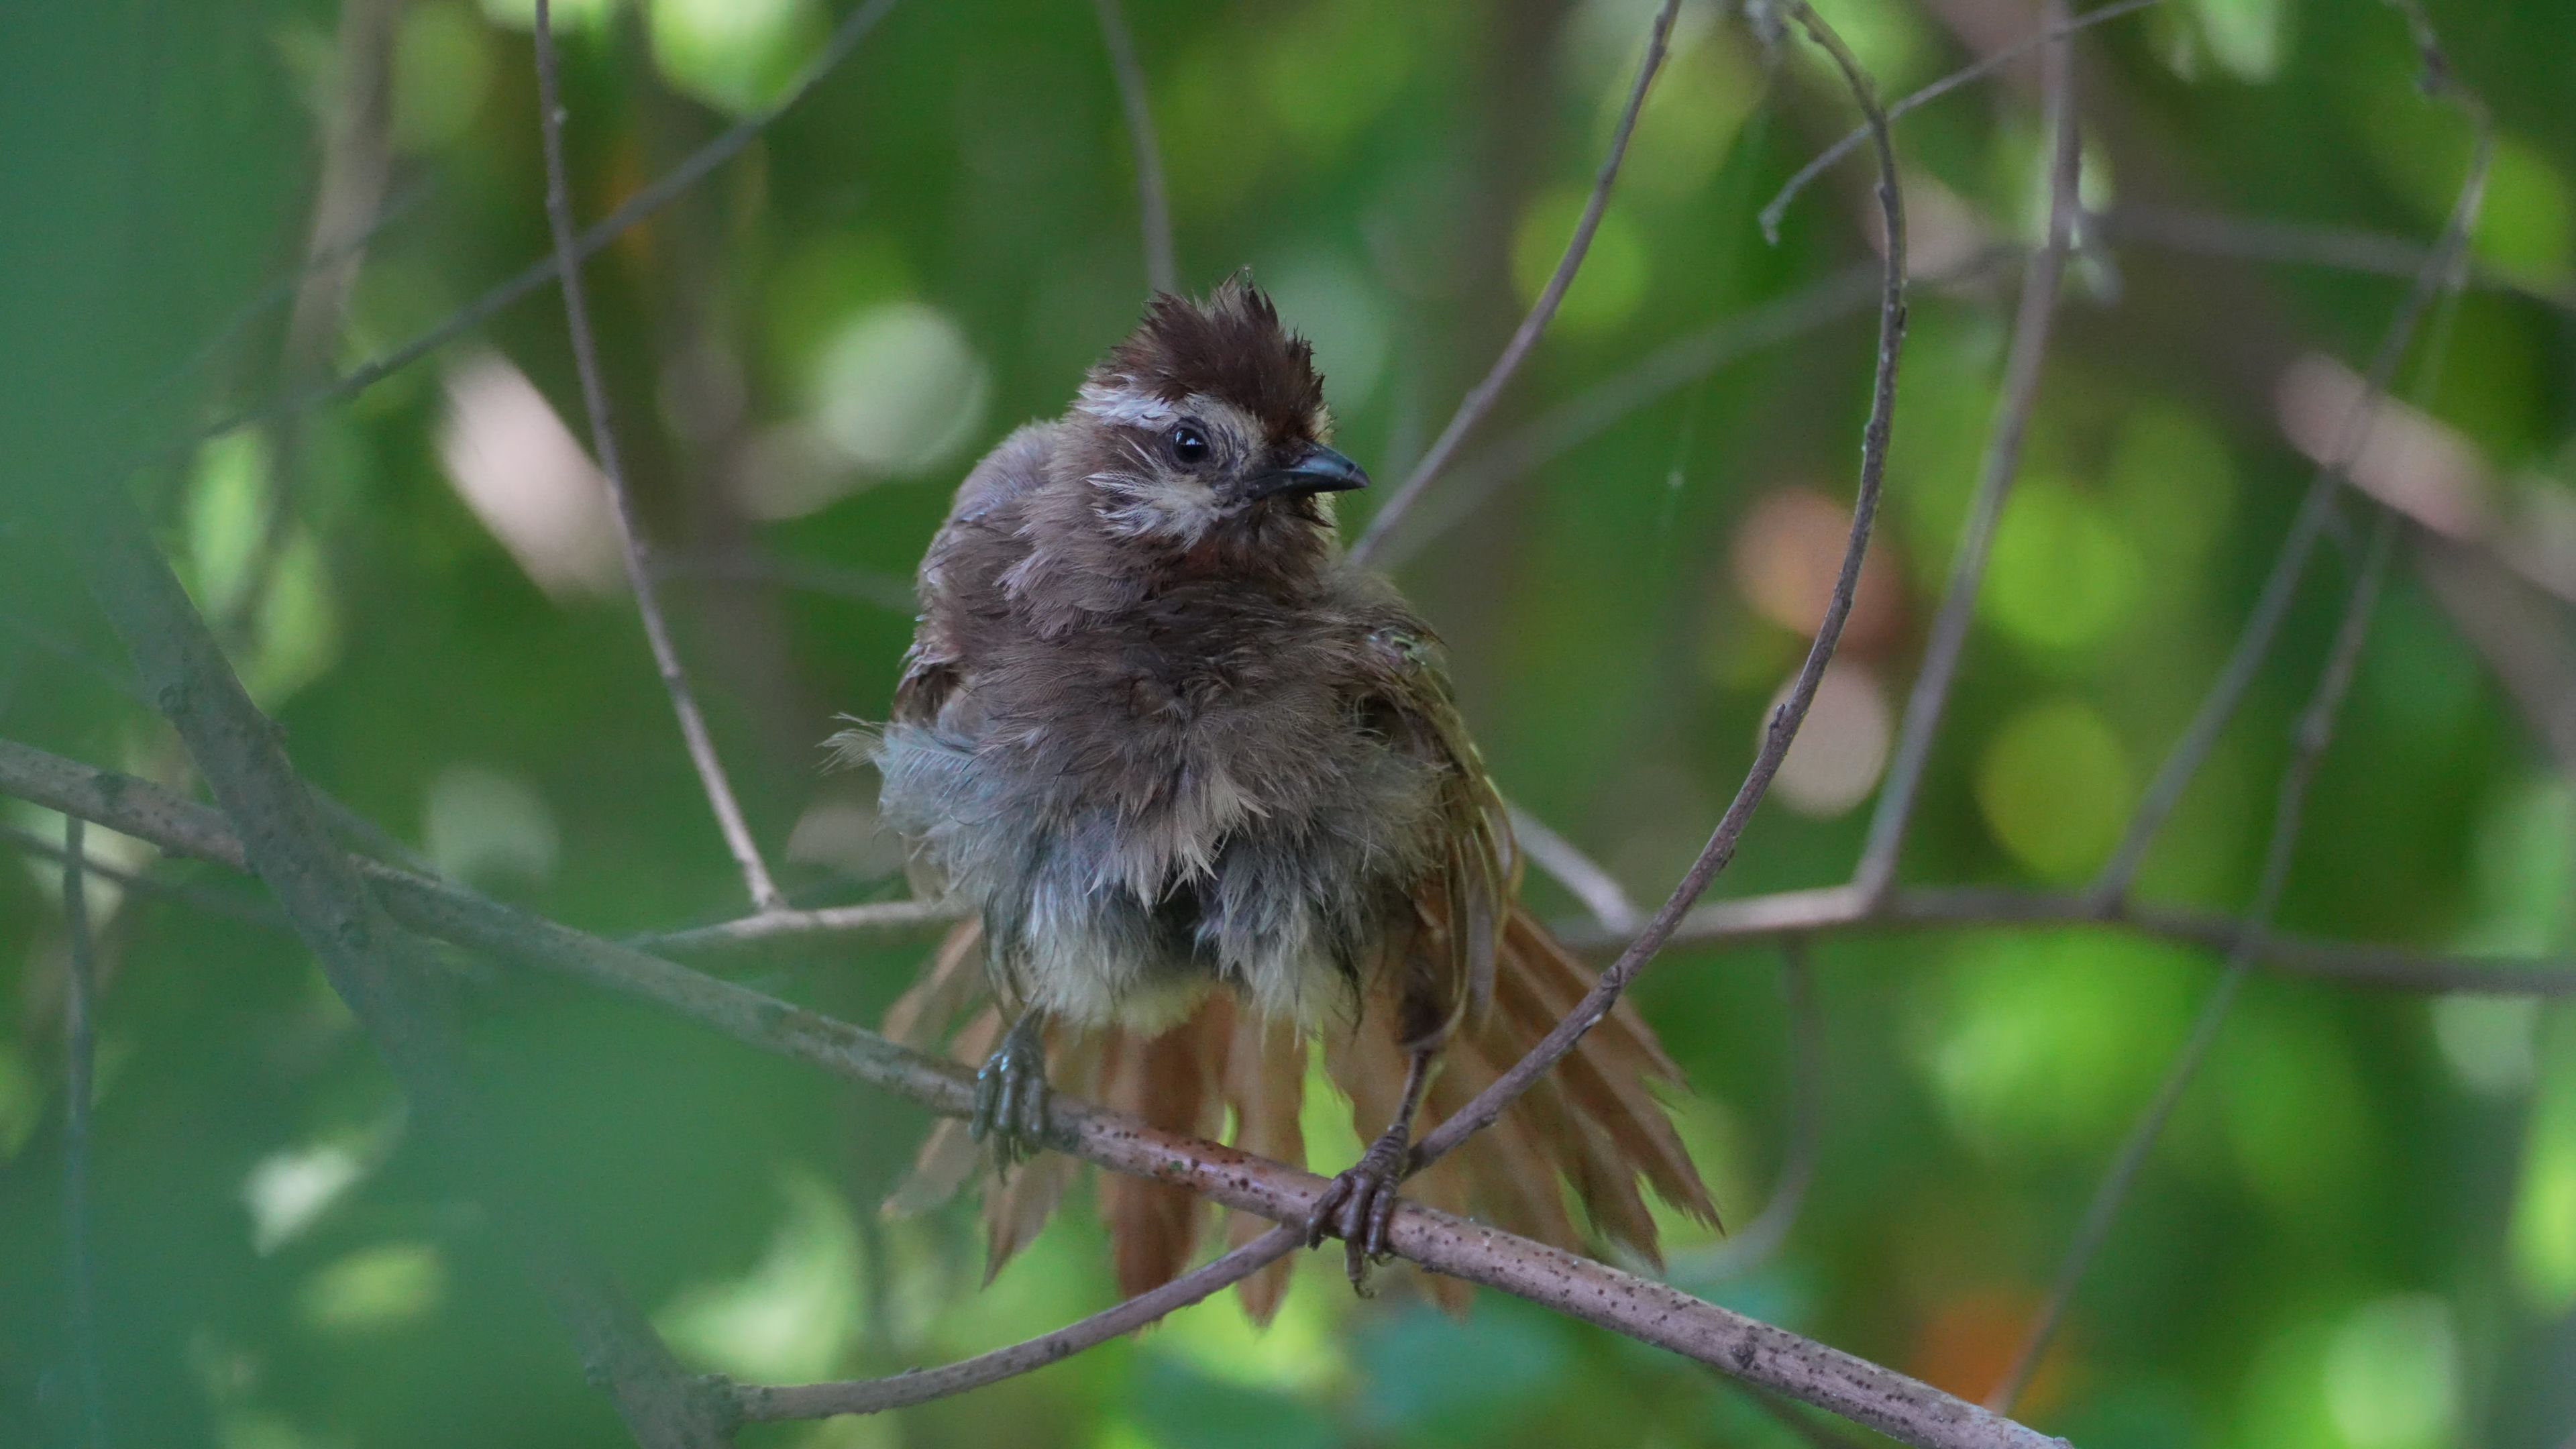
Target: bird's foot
x=1357, y=1206
x=1011, y=1094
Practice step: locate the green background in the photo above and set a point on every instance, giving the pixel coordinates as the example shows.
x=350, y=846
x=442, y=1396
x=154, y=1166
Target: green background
x=2360, y=1229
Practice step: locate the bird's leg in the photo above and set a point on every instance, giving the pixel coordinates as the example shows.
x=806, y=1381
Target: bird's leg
x=1011, y=1092
x=1357, y=1206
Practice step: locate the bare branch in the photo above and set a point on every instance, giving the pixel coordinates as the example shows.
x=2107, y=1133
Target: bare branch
x=2280, y=586
x=854, y=27
x=2264, y=240
x=918, y=1386
x=1472, y=408
x=1659, y=374
x=1153, y=207
x=79, y=1058
x=1488, y=1104
x=630, y=528
x=2057, y=29
x=2022, y=370
x=1835, y=909
x=1598, y=890
x=892, y=918
x=2315, y=731
x=1596, y=1293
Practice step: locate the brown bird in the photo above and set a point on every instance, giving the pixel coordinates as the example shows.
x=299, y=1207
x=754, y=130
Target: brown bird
x=1203, y=787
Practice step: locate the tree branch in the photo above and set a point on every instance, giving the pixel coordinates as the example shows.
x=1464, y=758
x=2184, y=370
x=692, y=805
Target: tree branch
x=1472, y=408
x=1594, y=1292
x=1581, y=875
x=1488, y=1104
x=630, y=528
x=2022, y=371
x=2057, y=29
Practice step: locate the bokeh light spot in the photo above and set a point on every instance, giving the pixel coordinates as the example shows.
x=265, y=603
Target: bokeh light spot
x=2055, y=787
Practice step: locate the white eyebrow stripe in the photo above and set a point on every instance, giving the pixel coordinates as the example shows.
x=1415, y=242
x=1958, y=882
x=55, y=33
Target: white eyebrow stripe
x=1124, y=405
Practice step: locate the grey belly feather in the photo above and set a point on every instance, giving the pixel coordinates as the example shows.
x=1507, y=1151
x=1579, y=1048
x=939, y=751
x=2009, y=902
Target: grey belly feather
x=1128, y=907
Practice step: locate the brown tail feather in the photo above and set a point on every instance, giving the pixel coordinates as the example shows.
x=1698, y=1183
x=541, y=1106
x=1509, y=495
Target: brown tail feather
x=1605, y=1076
x=1167, y=1081
x=921, y=1017
x=1592, y=1122
x=1265, y=1085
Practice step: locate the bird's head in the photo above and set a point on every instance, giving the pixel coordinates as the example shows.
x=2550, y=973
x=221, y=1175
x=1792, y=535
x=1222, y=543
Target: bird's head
x=1207, y=427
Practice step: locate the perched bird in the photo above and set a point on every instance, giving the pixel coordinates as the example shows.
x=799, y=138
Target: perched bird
x=1202, y=786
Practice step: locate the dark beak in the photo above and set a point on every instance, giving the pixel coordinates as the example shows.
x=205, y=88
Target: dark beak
x=1317, y=470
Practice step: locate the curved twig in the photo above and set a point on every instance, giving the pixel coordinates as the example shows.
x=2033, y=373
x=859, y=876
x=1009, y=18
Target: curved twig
x=630, y=528
x=2034, y=313
x=1488, y=1104
x=1472, y=408
x=1778, y=205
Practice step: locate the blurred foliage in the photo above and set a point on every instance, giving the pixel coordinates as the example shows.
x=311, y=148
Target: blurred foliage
x=2360, y=1231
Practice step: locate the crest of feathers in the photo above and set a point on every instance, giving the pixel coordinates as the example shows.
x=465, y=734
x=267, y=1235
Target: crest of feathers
x=1230, y=346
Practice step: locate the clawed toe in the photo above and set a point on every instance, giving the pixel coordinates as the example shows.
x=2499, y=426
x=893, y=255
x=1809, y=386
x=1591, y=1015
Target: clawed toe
x=1357, y=1208
x=1011, y=1095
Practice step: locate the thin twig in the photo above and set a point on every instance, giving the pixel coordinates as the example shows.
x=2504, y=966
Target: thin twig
x=1594, y=1292
x=2022, y=371
x=787, y=926
x=2262, y=239
x=603, y=436
x=257, y=913
x=1487, y=1105
x=669, y=187
x=1153, y=207
x=1753, y=1245
x=80, y=1007
x=1472, y=408
x=761, y=1404
x=2280, y=586
x=2315, y=731
x=1598, y=890
x=1988, y=65
x=1659, y=374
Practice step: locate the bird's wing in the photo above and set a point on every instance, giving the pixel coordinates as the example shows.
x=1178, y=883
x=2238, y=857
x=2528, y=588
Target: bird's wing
x=1448, y=974
x=960, y=573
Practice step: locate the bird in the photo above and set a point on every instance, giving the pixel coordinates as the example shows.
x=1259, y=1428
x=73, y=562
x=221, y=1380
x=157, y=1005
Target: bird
x=1202, y=791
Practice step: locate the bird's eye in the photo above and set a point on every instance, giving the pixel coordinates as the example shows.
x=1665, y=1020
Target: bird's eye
x=1189, y=445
